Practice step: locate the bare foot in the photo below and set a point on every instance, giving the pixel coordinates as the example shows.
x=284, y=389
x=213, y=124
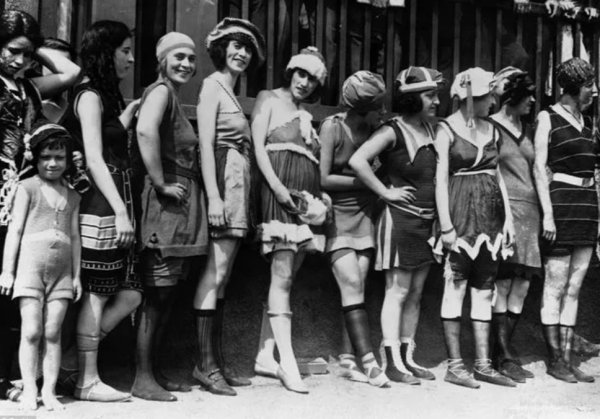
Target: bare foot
x=148, y=389
x=28, y=401
x=51, y=402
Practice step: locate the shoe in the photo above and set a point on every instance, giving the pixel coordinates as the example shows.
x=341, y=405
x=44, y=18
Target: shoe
x=394, y=367
x=559, y=370
x=582, y=346
x=151, y=391
x=234, y=379
x=292, y=385
x=14, y=394
x=170, y=385
x=524, y=372
x=512, y=370
x=351, y=371
x=407, y=350
x=97, y=391
x=214, y=382
x=376, y=377
x=260, y=369
x=483, y=371
x=458, y=374
x=581, y=376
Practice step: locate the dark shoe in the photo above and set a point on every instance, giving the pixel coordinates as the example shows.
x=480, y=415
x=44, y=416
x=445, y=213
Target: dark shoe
x=151, y=390
x=512, y=370
x=171, y=385
x=581, y=376
x=214, y=382
x=394, y=367
x=483, y=371
x=526, y=373
x=234, y=379
x=559, y=370
x=406, y=352
x=458, y=374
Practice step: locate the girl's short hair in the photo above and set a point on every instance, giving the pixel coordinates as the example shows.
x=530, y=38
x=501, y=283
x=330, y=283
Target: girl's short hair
x=16, y=23
x=409, y=103
x=53, y=142
x=218, y=51
x=314, y=96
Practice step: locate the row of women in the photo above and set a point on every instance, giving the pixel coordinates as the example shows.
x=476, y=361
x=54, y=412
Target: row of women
x=466, y=190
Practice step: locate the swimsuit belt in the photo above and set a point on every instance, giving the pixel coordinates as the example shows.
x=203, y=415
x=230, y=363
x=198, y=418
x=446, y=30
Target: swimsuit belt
x=425, y=213
x=490, y=172
x=573, y=180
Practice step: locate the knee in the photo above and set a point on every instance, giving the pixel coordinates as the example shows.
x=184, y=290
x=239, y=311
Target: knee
x=353, y=284
x=573, y=291
x=131, y=299
x=481, y=304
x=414, y=297
x=31, y=333
x=519, y=289
x=52, y=334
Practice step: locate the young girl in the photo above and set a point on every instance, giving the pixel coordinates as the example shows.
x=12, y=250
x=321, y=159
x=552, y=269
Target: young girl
x=45, y=221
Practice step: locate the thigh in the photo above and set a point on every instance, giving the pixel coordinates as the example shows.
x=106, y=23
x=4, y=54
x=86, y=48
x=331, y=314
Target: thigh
x=54, y=314
x=398, y=279
x=418, y=279
x=32, y=312
x=485, y=270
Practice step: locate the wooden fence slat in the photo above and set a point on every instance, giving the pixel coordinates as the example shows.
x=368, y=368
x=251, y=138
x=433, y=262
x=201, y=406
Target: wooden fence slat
x=366, y=45
x=270, y=65
x=557, y=59
x=520, y=29
x=435, y=18
x=498, y=41
x=539, y=64
x=295, y=23
x=389, y=56
x=456, y=47
x=320, y=18
x=412, y=38
x=343, y=44
x=478, y=32
x=245, y=13
x=577, y=40
x=170, y=15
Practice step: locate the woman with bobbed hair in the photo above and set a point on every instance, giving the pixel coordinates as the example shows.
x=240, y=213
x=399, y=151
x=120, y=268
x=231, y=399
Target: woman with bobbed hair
x=404, y=145
x=475, y=222
x=98, y=120
x=350, y=235
x=20, y=106
x=173, y=222
x=565, y=144
x=285, y=145
x=235, y=46
x=515, y=89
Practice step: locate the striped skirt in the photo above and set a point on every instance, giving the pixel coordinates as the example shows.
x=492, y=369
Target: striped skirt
x=105, y=267
x=401, y=240
x=575, y=214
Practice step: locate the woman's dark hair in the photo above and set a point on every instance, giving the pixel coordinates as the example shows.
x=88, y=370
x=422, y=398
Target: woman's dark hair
x=100, y=41
x=517, y=87
x=409, y=103
x=60, y=45
x=314, y=96
x=218, y=51
x=15, y=23
x=55, y=142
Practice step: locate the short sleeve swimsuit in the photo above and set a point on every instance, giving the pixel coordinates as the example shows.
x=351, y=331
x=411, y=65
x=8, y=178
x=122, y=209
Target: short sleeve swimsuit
x=353, y=211
x=403, y=230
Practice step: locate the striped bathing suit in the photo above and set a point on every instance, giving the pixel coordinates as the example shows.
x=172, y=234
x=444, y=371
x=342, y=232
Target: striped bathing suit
x=572, y=150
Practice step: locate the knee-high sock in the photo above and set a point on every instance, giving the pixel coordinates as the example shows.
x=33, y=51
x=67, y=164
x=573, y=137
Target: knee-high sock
x=357, y=323
x=217, y=334
x=204, y=325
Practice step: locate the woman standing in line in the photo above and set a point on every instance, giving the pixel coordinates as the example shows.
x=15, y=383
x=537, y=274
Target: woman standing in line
x=98, y=121
x=475, y=222
x=20, y=106
x=405, y=147
x=515, y=96
x=564, y=143
x=285, y=145
x=235, y=46
x=173, y=229
x=350, y=235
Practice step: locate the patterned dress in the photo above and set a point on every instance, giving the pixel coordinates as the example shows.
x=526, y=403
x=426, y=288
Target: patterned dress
x=403, y=230
x=296, y=166
x=516, y=165
x=353, y=211
x=572, y=151
x=105, y=267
